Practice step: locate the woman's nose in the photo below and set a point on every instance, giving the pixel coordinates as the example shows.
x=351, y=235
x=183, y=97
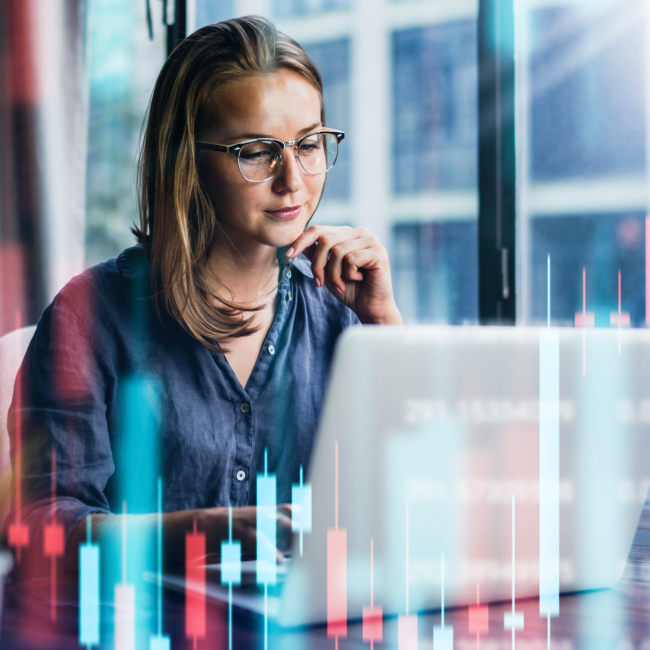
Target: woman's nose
x=289, y=177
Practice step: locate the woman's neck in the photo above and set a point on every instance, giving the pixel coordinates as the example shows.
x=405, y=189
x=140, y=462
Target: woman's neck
x=242, y=277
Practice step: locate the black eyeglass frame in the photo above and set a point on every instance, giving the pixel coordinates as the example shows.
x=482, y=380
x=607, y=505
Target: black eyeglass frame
x=235, y=149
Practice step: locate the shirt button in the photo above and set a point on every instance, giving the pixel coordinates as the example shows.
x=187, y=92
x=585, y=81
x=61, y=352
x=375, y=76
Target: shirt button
x=289, y=295
x=271, y=350
x=289, y=275
x=244, y=408
x=241, y=475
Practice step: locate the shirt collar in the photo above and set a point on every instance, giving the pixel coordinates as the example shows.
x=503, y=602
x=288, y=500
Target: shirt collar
x=301, y=263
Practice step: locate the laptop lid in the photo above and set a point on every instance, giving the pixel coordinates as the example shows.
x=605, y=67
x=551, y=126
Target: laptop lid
x=432, y=443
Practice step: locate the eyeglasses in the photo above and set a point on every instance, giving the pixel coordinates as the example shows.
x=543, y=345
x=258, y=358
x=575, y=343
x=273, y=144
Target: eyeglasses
x=260, y=160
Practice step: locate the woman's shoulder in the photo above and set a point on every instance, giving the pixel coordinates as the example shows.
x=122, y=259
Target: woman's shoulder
x=106, y=288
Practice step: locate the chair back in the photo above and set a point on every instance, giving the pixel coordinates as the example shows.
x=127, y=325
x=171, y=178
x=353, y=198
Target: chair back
x=12, y=351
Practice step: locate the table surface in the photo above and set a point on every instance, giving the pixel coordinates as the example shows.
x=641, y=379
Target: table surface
x=617, y=619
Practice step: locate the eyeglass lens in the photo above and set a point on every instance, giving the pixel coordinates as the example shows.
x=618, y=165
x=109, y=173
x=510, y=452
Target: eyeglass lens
x=261, y=160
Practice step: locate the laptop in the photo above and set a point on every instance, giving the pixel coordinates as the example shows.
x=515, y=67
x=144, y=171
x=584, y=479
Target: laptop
x=465, y=464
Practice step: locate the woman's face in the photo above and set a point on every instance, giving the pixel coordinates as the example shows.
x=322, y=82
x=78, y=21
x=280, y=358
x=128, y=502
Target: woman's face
x=283, y=106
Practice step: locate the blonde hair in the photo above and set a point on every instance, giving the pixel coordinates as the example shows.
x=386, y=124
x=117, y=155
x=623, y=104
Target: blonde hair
x=178, y=224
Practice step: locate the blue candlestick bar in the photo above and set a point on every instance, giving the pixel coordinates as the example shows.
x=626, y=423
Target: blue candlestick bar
x=266, y=537
x=301, y=508
x=230, y=569
x=159, y=641
x=89, y=590
x=443, y=635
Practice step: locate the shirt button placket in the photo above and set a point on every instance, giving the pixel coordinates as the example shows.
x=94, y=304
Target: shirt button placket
x=240, y=475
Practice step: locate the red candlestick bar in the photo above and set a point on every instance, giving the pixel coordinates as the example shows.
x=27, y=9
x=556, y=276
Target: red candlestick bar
x=195, y=585
x=372, y=616
x=53, y=540
x=478, y=618
x=337, y=568
x=18, y=531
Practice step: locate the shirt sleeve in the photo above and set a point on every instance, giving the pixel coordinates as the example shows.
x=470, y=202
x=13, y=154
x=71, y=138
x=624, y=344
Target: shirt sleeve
x=59, y=411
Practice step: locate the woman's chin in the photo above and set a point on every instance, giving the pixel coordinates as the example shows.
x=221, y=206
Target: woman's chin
x=286, y=238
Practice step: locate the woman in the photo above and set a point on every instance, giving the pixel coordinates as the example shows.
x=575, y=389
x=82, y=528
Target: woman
x=206, y=346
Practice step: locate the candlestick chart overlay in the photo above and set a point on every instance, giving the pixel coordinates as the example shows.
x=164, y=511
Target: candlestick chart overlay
x=493, y=465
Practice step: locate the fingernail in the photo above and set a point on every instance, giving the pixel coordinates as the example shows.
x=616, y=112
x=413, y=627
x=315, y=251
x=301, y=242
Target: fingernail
x=317, y=282
x=339, y=289
x=290, y=252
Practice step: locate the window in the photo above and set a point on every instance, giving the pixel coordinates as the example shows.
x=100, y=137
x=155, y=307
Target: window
x=124, y=65
x=286, y=8
x=434, y=84
x=434, y=117
x=586, y=182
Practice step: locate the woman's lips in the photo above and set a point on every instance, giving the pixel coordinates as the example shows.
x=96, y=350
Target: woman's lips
x=285, y=214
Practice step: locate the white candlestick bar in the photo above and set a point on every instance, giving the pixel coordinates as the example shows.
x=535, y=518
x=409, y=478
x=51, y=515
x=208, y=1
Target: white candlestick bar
x=124, y=602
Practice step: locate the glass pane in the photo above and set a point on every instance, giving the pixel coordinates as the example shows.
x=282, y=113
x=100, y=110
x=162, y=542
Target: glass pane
x=583, y=137
x=434, y=119
x=434, y=167
x=287, y=8
x=208, y=11
x=124, y=65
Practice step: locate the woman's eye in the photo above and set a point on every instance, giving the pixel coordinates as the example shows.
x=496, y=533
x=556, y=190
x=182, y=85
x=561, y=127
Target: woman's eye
x=257, y=153
x=310, y=146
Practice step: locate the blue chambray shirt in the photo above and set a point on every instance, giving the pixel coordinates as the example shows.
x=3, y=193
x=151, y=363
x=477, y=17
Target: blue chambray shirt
x=122, y=394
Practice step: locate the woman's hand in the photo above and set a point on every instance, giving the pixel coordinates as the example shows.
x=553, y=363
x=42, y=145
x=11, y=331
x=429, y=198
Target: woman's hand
x=213, y=522
x=354, y=266
x=244, y=522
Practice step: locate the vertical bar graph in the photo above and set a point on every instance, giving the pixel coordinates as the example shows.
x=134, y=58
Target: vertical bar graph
x=407, y=624
x=478, y=618
x=266, y=537
x=443, y=635
x=230, y=569
x=513, y=620
x=195, y=585
x=158, y=641
x=53, y=538
x=372, y=615
x=337, y=568
x=549, y=469
x=89, y=590
x=301, y=508
x=18, y=532
x=124, y=601
x=584, y=319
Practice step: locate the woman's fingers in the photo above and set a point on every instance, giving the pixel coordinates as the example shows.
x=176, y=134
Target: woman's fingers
x=326, y=248
x=348, y=257
x=245, y=530
x=323, y=251
x=309, y=238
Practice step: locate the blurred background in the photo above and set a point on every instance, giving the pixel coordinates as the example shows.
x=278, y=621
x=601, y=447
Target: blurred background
x=401, y=79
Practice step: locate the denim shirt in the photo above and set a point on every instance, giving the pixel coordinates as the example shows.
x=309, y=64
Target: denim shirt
x=120, y=394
